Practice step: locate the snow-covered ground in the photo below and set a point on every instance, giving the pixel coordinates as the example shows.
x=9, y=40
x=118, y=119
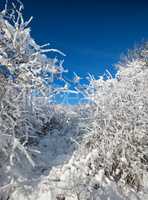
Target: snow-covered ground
x=62, y=173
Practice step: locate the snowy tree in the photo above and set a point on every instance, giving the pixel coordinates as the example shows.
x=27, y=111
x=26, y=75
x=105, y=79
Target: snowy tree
x=25, y=72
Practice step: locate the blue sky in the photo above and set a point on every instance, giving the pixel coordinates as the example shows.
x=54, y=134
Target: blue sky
x=92, y=33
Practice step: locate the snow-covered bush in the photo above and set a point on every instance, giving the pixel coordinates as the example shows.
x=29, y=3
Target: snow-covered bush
x=118, y=128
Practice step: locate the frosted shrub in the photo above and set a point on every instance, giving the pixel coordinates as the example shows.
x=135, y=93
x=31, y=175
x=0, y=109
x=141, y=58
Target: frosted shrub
x=119, y=124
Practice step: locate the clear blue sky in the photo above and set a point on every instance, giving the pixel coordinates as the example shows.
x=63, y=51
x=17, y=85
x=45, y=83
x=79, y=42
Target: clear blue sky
x=92, y=33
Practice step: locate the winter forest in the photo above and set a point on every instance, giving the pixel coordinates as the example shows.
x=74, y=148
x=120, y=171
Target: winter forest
x=94, y=150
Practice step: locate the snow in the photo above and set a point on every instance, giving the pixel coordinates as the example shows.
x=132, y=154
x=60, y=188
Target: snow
x=92, y=151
